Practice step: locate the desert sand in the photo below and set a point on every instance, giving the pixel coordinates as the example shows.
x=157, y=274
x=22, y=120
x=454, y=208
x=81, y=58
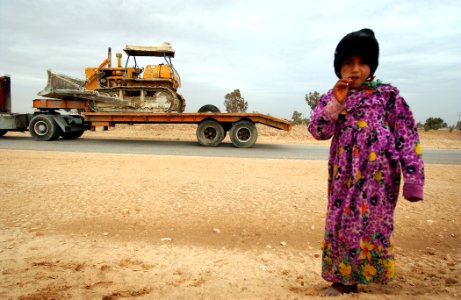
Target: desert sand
x=113, y=226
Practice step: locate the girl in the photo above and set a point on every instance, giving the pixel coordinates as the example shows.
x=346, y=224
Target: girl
x=375, y=140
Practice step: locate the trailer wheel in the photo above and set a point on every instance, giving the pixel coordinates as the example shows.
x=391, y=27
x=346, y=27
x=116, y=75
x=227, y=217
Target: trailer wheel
x=44, y=128
x=72, y=135
x=3, y=132
x=243, y=134
x=209, y=108
x=210, y=133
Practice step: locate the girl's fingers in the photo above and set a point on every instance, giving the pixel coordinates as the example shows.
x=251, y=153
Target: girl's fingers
x=340, y=89
x=342, y=83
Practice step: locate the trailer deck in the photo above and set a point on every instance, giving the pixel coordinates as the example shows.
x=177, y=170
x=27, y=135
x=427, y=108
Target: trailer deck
x=112, y=118
x=48, y=124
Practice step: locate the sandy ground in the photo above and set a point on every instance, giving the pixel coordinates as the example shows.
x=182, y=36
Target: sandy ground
x=111, y=226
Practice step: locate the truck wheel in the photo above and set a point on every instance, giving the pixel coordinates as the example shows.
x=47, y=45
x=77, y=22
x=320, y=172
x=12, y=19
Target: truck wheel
x=209, y=108
x=243, y=134
x=3, y=132
x=210, y=133
x=72, y=135
x=44, y=128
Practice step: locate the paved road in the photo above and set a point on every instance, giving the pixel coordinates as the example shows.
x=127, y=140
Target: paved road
x=140, y=146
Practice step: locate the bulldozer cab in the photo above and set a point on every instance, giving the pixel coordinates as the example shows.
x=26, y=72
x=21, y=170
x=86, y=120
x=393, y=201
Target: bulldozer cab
x=163, y=50
x=107, y=75
x=152, y=72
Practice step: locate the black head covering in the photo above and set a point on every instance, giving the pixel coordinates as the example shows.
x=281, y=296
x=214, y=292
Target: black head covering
x=363, y=43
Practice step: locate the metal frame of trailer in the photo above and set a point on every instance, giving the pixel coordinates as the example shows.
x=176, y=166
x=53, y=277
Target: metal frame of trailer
x=48, y=124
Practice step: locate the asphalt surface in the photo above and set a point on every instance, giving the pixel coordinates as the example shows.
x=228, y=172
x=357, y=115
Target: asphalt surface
x=158, y=147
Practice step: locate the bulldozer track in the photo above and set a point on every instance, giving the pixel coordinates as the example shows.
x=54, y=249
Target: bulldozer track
x=142, y=99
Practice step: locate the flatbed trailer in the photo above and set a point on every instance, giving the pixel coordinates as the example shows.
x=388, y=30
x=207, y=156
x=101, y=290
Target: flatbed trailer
x=52, y=120
x=48, y=124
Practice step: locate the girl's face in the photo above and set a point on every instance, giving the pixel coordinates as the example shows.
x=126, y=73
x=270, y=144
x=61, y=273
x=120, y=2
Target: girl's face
x=355, y=69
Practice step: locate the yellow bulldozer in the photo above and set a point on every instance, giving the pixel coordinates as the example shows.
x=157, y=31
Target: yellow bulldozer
x=152, y=88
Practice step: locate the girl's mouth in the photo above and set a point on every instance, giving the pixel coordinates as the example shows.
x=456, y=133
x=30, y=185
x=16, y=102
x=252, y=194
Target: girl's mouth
x=354, y=78
x=354, y=81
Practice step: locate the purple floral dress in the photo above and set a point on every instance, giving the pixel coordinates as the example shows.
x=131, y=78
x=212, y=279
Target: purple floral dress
x=375, y=140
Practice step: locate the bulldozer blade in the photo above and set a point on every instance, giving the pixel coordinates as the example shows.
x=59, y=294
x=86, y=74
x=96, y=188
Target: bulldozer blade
x=61, y=86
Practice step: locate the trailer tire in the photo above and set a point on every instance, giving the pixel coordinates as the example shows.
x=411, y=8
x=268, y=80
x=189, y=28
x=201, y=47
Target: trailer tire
x=72, y=135
x=210, y=133
x=3, y=132
x=209, y=108
x=243, y=134
x=44, y=128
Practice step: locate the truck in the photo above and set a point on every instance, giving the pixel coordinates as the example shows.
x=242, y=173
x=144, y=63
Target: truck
x=10, y=121
x=116, y=94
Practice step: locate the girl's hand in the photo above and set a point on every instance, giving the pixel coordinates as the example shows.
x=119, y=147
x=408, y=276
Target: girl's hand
x=340, y=89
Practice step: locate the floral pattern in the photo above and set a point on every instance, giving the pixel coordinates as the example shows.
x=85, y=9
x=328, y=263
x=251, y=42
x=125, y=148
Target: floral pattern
x=375, y=141
x=370, y=263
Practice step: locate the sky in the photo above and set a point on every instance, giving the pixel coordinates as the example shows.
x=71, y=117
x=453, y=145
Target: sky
x=274, y=52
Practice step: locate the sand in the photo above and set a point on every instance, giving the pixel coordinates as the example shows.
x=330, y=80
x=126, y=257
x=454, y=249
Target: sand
x=112, y=226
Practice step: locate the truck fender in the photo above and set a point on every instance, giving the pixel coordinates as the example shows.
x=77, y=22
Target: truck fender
x=68, y=123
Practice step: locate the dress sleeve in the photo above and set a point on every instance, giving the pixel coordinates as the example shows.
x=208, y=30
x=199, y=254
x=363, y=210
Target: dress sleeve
x=322, y=124
x=407, y=144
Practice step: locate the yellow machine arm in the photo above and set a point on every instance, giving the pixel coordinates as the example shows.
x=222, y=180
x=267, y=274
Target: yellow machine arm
x=92, y=76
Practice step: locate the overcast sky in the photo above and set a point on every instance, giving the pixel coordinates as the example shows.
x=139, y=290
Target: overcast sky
x=275, y=52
